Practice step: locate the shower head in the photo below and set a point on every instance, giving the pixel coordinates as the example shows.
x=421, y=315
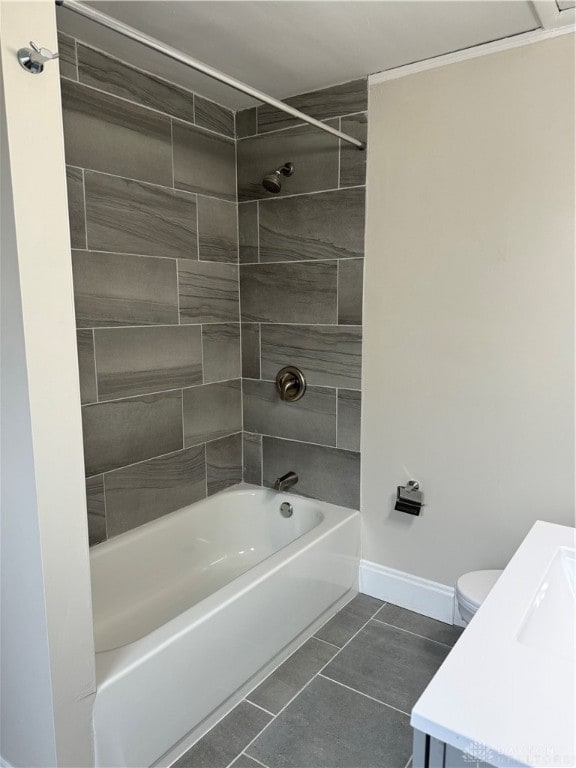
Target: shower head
x=272, y=181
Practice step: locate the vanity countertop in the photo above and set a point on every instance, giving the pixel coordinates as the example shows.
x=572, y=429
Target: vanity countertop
x=506, y=693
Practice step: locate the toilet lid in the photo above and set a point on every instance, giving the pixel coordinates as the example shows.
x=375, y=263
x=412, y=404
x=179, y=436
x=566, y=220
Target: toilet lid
x=475, y=586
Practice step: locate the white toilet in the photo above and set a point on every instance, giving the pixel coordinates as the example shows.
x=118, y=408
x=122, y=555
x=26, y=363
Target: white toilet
x=472, y=589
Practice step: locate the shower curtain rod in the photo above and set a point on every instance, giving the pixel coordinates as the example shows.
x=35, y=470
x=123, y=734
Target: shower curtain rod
x=157, y=45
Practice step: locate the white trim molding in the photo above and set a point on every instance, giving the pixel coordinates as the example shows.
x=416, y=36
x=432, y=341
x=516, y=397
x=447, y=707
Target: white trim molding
x=412, y=592
x=526, y=38
x=550, y=15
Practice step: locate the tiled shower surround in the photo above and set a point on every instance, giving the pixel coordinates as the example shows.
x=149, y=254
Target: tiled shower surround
x=178, y=342
x=301, y=267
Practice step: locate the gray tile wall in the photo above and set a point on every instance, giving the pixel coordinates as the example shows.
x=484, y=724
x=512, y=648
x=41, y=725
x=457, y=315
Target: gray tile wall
x=188, y=301
x=153, y=216
x=301, y=273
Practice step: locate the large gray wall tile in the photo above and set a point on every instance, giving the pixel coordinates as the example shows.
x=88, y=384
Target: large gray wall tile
x=208, y=292
x=134, y=361
x=212, y=411
x=221, y=351
x=75, y=187
x=329, y=726
x=251, y=350
x=210, y=115
x=112, y=289
x=313, y=152
x=328, y=355
x=123, y=432
x=248, y=232
x=67, y=56
x=223, y=463
x=252, y=448
x=143, y=492
x=96, y=510
x=353, y=160
x=313, y=418
x=86, y=367
x=107, y=134
x=343, y=99
x=217, y=230
x=132, y=217
x=203, y=162
x=115, y=77
x=350, y=291
x=329, y=474
x=349, y=411
x=228, y=737
x=289, y=293
x=246, y=122
x=325, y=225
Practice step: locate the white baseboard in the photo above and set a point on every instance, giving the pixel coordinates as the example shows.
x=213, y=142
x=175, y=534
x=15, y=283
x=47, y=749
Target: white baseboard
x=412, y=592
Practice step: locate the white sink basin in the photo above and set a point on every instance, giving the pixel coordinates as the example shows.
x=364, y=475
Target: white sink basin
x=553, y=607
x=507, y=687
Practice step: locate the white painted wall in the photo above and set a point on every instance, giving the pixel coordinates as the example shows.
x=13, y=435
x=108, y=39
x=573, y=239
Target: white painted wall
x=47, y=654
x=469, y=309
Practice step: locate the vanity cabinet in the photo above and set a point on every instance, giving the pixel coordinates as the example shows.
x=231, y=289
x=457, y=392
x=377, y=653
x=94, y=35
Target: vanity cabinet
x=432, y=753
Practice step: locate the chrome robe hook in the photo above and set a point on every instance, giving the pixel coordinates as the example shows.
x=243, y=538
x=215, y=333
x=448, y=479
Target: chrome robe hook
x=33, y=58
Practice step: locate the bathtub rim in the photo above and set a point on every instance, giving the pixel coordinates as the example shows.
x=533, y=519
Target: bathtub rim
x=112, y=665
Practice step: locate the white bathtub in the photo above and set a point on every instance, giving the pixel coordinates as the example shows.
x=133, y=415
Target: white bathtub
x=193, y=609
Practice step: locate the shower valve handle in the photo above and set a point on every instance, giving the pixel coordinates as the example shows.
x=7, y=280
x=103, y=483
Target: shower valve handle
x=290, y=383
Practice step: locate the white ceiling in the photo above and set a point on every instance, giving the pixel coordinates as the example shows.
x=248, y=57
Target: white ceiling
x=285, y=47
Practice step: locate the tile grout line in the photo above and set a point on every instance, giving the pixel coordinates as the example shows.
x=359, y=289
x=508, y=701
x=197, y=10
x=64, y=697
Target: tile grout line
x=253, y=758
x=172, y=152
x=260, y=379
x=361, y=693
x=306, y=684
x=317, y=386
x=212, y=261
x=330, y=259
x=95, y=365
x=299, y=124
x=85, y=208
x=339, y=151
x=239, y=302
x=157, y=391
x=162, y=186
x=327, y=642
x=307, y=442
x=198, y=228
x=153, y=75
x=337, y=410
x=105, y=511
x=414, y=634
x=258, y=705
x=275, y=200
x=167, y=325
x=154, y=110
x=162, y=455
x=76, y=62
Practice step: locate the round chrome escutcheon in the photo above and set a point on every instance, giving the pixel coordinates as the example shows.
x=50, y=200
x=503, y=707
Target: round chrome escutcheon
x=286, y=509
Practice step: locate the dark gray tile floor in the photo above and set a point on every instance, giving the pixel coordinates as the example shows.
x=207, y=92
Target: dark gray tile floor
x=341, y=700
